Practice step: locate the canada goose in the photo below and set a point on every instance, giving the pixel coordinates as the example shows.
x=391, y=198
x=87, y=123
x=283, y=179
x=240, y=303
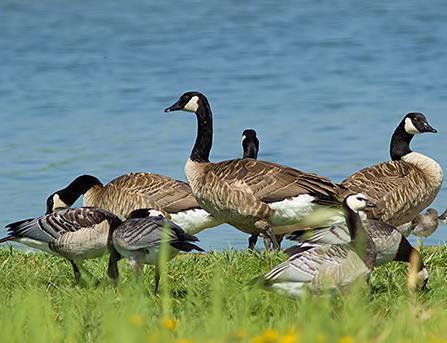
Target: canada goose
x=250, y=148
x=75, y=234
x=254, y=196
x=133, y=191
x=403, y=187
x=425, y=224
x=390, y=244
x=250, y=144
x=139, y=240
x=329, y=266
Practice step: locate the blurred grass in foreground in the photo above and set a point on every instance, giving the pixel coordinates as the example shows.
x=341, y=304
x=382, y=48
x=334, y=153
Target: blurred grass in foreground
x=209, y=300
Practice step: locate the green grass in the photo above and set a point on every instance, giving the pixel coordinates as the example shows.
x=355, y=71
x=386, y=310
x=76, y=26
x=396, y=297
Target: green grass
x=206, y=298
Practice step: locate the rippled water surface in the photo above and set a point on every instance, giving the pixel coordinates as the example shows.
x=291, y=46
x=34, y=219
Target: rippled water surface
x=83, y=85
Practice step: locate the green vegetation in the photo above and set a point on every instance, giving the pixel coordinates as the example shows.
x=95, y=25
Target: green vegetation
x=206, y=298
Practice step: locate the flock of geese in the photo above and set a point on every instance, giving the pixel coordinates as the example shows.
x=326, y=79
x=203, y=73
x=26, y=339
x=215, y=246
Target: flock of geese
x=342, y=231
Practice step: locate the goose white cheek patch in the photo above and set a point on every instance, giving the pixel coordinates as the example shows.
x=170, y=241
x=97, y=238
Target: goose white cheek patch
x=155, y=213
x=410, y=128
x=58, y=203
x=192, y=105
x=355, y=204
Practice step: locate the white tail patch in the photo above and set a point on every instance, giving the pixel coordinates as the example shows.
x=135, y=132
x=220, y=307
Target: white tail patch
x=194, y=221
x=192, y=105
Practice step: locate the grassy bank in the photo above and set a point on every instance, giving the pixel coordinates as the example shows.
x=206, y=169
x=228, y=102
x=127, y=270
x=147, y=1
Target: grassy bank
x=208, y=300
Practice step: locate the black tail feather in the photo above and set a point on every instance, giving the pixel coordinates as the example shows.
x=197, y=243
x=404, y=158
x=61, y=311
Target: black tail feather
x=186, y=246
x=6, y=239
x=15, y=225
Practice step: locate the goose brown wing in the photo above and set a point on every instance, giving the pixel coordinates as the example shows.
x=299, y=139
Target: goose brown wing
x=154, y=190
x=384, y=184
x=271, y=182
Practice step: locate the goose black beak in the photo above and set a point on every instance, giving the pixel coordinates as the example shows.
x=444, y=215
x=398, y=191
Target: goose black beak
x=370, y=204
x=175, y=107
x=428, y=128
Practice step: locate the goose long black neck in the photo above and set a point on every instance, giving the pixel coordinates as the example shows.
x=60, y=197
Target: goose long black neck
x=360, y=240
x=400, y=142
x=77, y=187
x=204, y=140
x=406, y=253
x=251, y=149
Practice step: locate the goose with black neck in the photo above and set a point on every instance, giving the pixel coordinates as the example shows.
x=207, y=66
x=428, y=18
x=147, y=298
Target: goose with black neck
x=254, y=196
x=407, y=184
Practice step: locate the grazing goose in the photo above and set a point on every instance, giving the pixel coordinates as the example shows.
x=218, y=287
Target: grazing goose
x=133, y=191
x=403, y=187
x=139, y=240
x=331, y=266
x=254, y=196
x=424, y=225
x=75, y=234
x=390, y=244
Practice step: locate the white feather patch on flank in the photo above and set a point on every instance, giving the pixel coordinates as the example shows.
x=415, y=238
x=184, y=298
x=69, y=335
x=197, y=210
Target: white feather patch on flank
x=290, y=211
x=192, y=105
x=194, y=221
x=32, y=243
x=410, y=128
x=58, y=204
x=291, y=289
x=155, y=213
x=429, y=166
x=244, y=137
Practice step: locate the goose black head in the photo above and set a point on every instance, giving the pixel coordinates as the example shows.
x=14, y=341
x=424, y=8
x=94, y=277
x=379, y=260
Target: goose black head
x=144, y=213
x=357, y=202
x=250, y=143
x=415, y=123
x=67, y=196
x=189, y=102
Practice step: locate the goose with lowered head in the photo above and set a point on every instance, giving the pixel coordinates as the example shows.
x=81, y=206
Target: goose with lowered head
x=254, y=196
x=404, y=186
x=132, y=191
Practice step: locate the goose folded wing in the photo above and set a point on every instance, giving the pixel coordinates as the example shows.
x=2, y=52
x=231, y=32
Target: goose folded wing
x=156, y=191
x=271, y=182
x=383, y=184
x=143, y=233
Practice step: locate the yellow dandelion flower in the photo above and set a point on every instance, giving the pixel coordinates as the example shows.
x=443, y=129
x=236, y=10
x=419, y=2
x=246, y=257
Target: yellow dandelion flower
x=346, y=339
x=169, y=324
x=289, y=338
x=268, y=336
x=137, y=320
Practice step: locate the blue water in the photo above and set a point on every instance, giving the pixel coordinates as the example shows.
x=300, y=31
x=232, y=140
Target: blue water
x=83, y=85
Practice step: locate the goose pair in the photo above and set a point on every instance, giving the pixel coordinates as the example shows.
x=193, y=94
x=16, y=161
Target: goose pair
x=145, y=190
x=84, y=233
x=252, y=195
x=337, y=261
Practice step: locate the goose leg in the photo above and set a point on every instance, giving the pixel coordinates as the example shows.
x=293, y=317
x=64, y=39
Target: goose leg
x=252, y=242
x=157, y=278
x=91, y=280
x=77, y=273
x=112, y=269
x=267, y=230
